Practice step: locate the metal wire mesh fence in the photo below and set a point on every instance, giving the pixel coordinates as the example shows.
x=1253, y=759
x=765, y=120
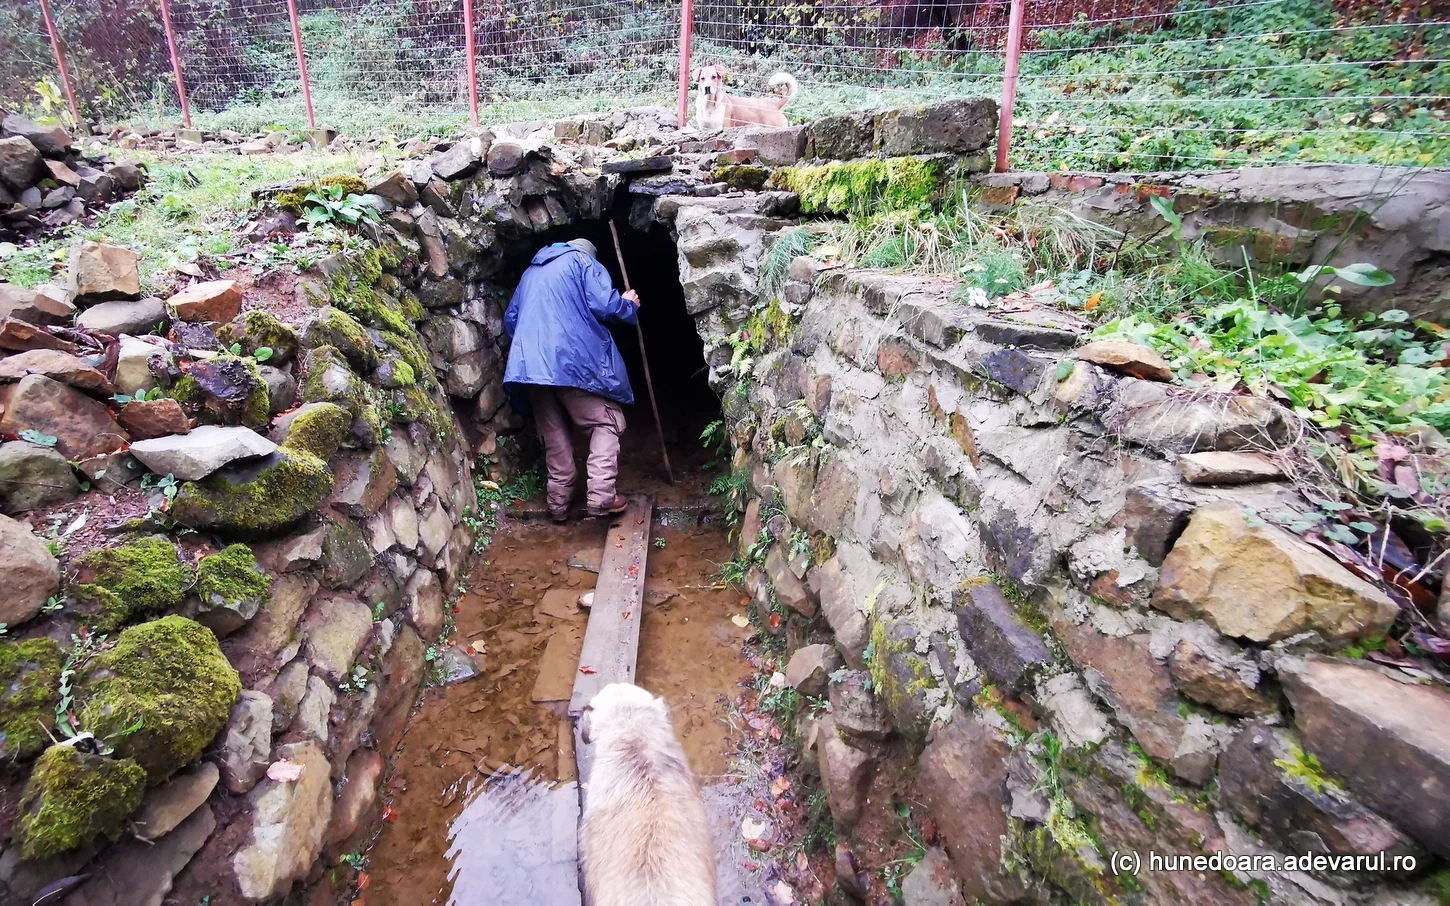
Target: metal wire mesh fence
x=1102, y=84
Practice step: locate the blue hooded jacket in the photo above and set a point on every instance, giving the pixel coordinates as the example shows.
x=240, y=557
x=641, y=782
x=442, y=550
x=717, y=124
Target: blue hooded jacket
x=556, y=321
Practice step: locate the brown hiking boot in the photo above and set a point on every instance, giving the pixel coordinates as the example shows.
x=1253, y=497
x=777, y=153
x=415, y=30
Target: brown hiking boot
x=617, y=505
x=558, y=517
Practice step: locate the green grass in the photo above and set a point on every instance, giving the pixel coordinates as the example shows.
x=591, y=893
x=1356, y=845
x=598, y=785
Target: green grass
x=1212, y=88
x=189, y=209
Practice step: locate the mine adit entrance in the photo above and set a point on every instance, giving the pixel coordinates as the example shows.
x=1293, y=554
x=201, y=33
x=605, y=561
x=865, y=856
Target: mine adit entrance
x=675, y=351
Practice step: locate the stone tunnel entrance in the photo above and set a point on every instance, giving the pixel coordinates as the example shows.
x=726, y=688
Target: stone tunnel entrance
x=674, y=348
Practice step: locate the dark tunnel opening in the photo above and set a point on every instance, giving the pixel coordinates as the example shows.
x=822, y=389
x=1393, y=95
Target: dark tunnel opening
x=675, y=351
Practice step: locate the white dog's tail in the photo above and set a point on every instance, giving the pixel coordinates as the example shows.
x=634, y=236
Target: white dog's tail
x=784, y=84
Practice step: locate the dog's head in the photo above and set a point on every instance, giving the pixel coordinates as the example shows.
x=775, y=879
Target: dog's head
x=710, y=81
x=618, y=705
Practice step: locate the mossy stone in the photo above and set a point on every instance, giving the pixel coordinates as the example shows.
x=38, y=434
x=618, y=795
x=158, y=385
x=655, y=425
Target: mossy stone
x=318, y=429
x=160, y=695
x=863, y=186
x=256, y=498
x=230, y=589
x=295, y=199
x=407, y=348
x=394, y=373
x=329, y=379
x=336, y=328
x=254, y=330
x=71, y=798
x=141, y=579
x=742, y=177
x=353, y=288
x=29, y=693
x=225, y=390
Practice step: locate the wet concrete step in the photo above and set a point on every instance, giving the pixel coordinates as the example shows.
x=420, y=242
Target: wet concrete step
x=611, y=641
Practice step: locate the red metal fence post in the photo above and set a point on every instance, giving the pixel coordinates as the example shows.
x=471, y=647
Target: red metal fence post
x=175, y=63
x=70, y=94
x=687, y=14
x=1009, y=83
x=472, y=64
x=301, y=62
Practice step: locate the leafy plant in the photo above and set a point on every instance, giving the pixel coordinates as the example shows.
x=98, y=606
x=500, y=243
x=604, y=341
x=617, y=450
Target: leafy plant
x=716, y=437
x=328, y=204
x=140, y=396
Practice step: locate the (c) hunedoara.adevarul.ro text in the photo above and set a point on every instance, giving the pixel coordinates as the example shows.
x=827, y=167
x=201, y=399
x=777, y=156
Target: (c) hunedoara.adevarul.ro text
x=1132, y=863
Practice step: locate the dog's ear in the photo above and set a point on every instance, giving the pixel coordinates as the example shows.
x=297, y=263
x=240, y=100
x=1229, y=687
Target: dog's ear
x=699, y=71
x=585, y=730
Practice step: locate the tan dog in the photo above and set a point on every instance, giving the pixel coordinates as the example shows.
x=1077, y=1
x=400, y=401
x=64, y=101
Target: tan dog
x=716, y=108
x=645, y=838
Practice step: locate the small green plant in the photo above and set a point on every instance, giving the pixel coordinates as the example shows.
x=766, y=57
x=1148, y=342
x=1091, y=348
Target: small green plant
x=140, y=396
x=716, y=438
x=259, y=355
x=659, y=544
x=353, y=860
x=356, y=681
x=329, y=204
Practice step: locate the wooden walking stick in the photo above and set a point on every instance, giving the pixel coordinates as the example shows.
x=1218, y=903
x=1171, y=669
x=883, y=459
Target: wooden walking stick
x=648, y=381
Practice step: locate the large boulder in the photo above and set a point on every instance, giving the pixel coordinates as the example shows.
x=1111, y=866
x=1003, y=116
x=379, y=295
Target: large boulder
x=160, y=695
x=1173, y=419
x=255, y=497
x=71, y=798
x=1276, y=788
x=140, y=579
x=1389, y=742
x=198, y=453
x=211, y=302
x=100, y=273
x=32, y=476
x=125, y=316
x=56, y=365
x=140, y=873
x=82, y=427
x=51, y=141
x=45, y=305
x=29, y=573
x=289, y=821
x=21, y=165
x=1262, y=583
x=963, y=783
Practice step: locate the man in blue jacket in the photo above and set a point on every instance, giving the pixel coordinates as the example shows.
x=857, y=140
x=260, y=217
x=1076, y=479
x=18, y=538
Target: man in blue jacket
x=564, y=360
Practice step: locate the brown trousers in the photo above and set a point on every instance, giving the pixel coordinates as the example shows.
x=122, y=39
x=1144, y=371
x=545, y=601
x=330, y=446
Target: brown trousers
x=603, y=419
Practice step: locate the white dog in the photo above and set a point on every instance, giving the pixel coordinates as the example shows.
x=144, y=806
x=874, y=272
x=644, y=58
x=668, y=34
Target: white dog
x=715, y=108
x=645, y=838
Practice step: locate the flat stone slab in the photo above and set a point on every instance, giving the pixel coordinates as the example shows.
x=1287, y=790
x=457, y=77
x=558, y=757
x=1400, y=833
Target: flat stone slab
x=193, y=456
x=1227, y=467
x=664, y=163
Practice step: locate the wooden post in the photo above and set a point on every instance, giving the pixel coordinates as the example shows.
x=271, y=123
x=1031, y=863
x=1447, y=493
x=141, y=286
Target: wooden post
x=472, y=64
x=687, y=15
x=70, y=94
x=301, y=62
x=175, y=63
x=1009, y=83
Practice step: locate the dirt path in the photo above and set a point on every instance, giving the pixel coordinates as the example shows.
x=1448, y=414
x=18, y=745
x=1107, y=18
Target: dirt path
x=453, y=823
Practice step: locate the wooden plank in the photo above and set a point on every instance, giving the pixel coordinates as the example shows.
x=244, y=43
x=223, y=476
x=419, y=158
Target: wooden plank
x=611, y=641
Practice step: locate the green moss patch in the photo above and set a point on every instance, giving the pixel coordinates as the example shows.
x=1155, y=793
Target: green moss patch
x=141, y=579
x=318, y=429
x=255, y=499
x=330, y=379
x=353, y=289
x=295, y=199
x=336, y=328
x=29, y=693
x=160, y=695
x=72, y=798
x=742, y=177
x=253, y=330
x=863, y=186
x=231, y=576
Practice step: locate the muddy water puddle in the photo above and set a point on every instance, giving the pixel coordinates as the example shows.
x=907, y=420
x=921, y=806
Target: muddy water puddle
x=481, y=790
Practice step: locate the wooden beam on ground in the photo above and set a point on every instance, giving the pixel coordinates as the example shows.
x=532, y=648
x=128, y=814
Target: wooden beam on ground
x=611, y=641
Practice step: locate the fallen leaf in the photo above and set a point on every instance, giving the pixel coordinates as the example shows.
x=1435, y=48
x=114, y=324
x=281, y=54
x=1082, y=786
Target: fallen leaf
x=740, y=621
x=587, y=669
x=779, y=786
x=625, y=615
x=774, y=621
x=284, y=771
x=777, y=680
x=390, y=814
x=1093, y=301
x=753, y=828
x=364, y=880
